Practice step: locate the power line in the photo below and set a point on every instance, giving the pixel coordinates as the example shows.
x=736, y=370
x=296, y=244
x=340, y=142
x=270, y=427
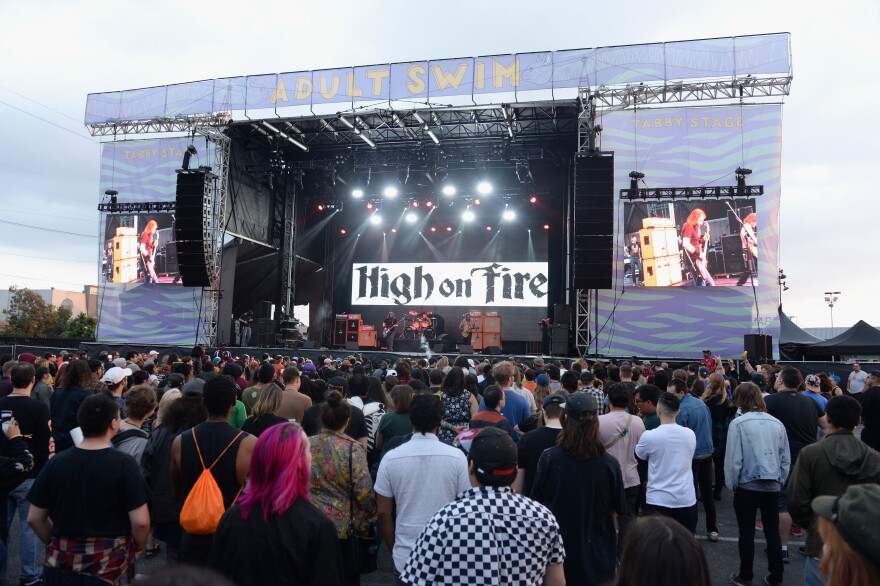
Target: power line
x=54, y=231
x=42, y=215
x=48, y=122
x=13, y=253
x=39, y=279
x=40, y=104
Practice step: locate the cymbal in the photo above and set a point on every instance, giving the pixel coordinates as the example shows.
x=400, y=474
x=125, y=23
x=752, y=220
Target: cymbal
x=411, y=312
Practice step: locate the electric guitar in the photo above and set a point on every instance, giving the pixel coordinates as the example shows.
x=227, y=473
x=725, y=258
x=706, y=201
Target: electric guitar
x=468, y=328
x=389, y=329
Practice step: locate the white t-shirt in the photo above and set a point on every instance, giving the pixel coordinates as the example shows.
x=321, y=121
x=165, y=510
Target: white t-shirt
x=857, y=381
x=610, y=427
x=669, y=450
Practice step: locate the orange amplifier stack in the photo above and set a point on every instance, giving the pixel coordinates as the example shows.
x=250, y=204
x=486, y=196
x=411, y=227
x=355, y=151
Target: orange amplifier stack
x=367, y=336
x=661, y=258
x=488, y=330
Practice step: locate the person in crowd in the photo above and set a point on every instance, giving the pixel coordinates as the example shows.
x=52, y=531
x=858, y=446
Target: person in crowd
x=340, y=482
x=757, y=462
x=263, y=415
x=848, y=528
x=215, y=444
x=583, y=486
x=396, y=423
x=721, y=410
x=32, y=417
x=357, y=427
x=669, y=451
x=43, y=390
x=813, y=389
x=273, y=534
x=829, y=468
x=516, y=409
x=140, y=403
x=695, y=415
x=533, y=444
x=542, y=388
x=857, y=379
x=186, y=412
x=93, y=527
x=265, y=375
x=16, y=463
x=871, y=411
x=646, y=397
x=489, y=534
x=373, y=409
x=293, y=402
x=802, y=417
x=619, y=433
x=116, y=380
x=493, y=399
x=71, y=390
x=97, y=384
x=660, y=552
x=417, y=478
x=459, y=406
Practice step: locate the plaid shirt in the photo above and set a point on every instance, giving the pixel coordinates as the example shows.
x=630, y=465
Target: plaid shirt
x=107, y=559
x=599, y=395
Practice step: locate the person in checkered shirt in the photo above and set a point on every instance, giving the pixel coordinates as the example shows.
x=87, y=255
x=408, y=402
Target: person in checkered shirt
x=489, y=534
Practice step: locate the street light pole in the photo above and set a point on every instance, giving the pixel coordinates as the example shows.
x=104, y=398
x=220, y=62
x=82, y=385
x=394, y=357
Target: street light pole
x=830, y=299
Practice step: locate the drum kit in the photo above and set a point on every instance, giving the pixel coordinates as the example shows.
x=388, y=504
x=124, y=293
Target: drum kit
x=416, y=325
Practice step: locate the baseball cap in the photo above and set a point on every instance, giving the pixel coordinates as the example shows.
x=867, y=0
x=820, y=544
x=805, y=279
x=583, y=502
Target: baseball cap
x=120, y=362
x=153, y=353
x=390, y=372
x=555, y=398
x=194, y=387
x=704, y=371
x=539, y=363
x=494, y=456
x=580, y=405
x=587, y=376
x=27, y=357
x=336, y=382
x=115, y=375
x=759, y=379
x=855, y=515
x=542, y=380
x=346, y=363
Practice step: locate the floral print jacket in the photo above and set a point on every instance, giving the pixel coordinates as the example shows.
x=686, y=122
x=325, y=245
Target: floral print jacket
x=336, y=492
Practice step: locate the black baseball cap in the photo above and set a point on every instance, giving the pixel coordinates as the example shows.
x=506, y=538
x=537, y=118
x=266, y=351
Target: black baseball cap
x=579, y=405
x=587, y=376
x=855, y=515
x=494, y=456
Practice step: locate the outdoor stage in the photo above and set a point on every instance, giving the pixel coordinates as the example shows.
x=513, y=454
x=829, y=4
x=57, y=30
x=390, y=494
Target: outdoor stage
x=494, y=184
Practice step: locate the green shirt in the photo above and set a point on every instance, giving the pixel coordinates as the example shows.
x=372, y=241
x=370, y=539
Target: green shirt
x=238, y=416
x=651, y=421
x=392, y=425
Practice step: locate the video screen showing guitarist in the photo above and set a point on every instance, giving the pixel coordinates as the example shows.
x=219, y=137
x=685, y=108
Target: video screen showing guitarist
x=695, y=240
x=389, y=328
x=467, y=327
x=148, y=245
x=748, y=236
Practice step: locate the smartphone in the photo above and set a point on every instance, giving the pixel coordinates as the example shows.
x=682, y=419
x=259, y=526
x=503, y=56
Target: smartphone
x=5, y=417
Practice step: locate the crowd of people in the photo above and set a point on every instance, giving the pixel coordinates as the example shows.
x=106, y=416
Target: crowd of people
x=280, y=470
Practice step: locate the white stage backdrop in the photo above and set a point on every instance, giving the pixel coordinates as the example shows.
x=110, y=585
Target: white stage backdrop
x=472, y=284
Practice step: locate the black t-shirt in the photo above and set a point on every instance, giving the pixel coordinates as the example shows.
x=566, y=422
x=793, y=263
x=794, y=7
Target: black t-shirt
x=582, y=496
x=33, y=418
x=530, y=448
x=296, y=548
x=257, y=426
x=89, y=493
x=800, y=416
x=357, y=427
x=871, y=408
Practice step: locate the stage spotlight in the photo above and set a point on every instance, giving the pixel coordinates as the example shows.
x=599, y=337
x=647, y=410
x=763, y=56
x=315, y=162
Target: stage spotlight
x=370, y=206
x=522, y=172
x=433, y=229
x=412, y=217
x=343, y=231
x=468, y=216
x=191, y=150
x=375, y=219
x=484, y=188
x=508, y=215
x=546, y=226
x=449, y=228
x=429, y=204
x=320, y=207
x=415, y=204
x=476, y=202
x=394, y=230
x=357, y=193
x=448, y=190
x=533, y=199
x=390, y=192
x=488, y=228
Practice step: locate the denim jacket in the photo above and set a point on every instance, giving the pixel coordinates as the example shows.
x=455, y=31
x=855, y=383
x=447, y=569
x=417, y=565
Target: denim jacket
x=757, y=449
x=695, y=415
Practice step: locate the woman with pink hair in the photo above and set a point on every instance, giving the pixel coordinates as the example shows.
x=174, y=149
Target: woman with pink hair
x=273, y=534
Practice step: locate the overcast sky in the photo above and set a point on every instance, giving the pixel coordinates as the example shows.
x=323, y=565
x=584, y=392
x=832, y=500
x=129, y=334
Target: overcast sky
x=55, y=52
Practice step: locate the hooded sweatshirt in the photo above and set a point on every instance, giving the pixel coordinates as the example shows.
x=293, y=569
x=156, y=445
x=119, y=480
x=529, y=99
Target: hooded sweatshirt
x=828, y=467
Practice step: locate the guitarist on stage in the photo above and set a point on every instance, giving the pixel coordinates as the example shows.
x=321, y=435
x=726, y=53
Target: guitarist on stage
x=695, y=240
x=389, y=327
x=147, y=247
x=467, y=327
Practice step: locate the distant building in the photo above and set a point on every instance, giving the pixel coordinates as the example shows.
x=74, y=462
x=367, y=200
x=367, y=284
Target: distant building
x=85, y=301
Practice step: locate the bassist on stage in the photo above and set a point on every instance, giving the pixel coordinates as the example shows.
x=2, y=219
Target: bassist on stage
x=467, y=327
x=389, y=327
x=695, y=240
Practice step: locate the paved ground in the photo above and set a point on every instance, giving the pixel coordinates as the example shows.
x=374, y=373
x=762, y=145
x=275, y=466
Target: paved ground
x=723, y=556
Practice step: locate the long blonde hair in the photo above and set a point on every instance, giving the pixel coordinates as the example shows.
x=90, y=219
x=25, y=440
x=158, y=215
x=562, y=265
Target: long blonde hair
x=841, y=564
x=269, y=400
x=715, y=387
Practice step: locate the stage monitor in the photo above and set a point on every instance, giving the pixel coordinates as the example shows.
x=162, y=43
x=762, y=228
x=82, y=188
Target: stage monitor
x=690, y=243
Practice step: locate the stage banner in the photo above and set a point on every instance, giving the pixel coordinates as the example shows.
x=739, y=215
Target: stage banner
x=478, y=284
x=148, y=314
x=682, y=147
x=481, y=78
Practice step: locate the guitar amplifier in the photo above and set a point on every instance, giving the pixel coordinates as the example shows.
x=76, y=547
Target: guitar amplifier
x=367, y=338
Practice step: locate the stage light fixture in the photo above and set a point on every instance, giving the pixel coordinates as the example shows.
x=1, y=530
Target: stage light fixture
x=477, y=202
x=533, y=199
x=415, y=204
x=508, y=215
x=394, y=230
x=390, y=192
x=320, y=207
x=433, y=229
x=484, y=188
x=187, y=154
x=375, y=219
x=634, y=178
x=412, y=217
x=546, y=226
x=370, y=206
x=429, y=204
x=449, y=228
x=488, y=228
x=468, y=216
x=449, y=190
x=357, y=193
x=343, y=231
x=522, y=172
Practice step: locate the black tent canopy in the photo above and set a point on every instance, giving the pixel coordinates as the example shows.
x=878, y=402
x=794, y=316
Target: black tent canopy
x=793, y=339
x=862, y=338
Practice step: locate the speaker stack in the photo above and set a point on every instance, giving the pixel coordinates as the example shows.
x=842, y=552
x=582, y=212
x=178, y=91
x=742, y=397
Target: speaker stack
x=191, y=232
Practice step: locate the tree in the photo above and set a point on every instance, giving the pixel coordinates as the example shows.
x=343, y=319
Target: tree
x=28, y=314
x=82, y=326
x=62, y=317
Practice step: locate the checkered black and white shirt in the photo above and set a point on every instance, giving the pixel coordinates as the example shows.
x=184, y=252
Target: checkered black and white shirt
x=489, y=536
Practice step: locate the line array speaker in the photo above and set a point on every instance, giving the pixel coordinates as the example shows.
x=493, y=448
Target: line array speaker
x=189, y=229
x=593, y=222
